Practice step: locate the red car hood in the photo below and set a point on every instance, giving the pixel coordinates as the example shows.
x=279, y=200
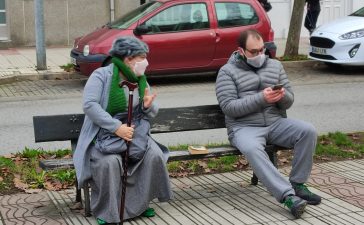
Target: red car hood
x=96, y=38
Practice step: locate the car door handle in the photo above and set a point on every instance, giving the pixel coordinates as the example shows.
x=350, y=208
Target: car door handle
x=217, y=37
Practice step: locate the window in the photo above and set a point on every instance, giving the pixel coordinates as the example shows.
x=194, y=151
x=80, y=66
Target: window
x=231, y=14
x=133, y=16
x=2, y=12
x=182, y=17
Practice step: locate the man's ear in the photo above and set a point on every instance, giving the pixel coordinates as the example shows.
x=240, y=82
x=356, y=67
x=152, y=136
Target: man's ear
x=241, y=51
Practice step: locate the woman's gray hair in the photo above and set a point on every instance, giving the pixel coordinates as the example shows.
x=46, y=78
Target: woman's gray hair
x=128, y=46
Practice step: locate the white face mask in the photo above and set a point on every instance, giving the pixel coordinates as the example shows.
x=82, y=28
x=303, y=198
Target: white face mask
x=256, y=61
x=140, y=67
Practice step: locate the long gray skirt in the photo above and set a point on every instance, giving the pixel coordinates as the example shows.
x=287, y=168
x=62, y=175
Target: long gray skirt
x=147, y=179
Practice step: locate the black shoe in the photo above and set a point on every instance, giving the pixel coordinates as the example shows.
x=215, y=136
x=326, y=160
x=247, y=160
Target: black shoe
x=303, y=192
x=296, y=205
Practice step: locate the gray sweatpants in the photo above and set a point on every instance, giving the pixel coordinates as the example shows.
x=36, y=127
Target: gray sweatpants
x=285, y=132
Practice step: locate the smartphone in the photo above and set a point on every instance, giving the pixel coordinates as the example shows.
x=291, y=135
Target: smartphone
x=277, y=87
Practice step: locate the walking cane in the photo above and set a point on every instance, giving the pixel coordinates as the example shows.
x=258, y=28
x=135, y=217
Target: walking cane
x=131, y=87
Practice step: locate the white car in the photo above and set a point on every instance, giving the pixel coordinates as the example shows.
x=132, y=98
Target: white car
x=340, y=41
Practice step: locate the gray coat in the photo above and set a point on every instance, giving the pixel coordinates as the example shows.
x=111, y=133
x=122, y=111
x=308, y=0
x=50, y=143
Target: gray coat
x=239, y=91
x=95, y=100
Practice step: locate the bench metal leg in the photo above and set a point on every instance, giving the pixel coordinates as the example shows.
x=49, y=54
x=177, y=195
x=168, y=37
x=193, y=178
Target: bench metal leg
x=86, y=194
x=78, y=192
x=254, y=179
x=273, y=158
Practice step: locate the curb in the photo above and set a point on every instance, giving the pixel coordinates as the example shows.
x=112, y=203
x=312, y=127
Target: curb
x=301, y=64
x=74, y=75
x=41, y=76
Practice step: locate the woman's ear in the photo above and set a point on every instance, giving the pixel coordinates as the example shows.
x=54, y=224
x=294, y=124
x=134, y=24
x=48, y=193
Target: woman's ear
x=128, y=61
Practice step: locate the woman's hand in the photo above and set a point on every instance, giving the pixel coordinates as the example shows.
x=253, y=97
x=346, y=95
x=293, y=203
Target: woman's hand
x=125, y=132
x=148, y=99
x=272, y=96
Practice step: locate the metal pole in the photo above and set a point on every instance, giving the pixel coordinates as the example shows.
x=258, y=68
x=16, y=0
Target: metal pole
x=39, y=35
x=112, y=10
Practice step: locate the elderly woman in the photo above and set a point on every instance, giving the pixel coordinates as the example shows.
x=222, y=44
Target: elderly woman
x=102, y=139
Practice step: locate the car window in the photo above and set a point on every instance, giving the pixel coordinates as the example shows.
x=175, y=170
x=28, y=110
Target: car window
x=183, y=17
x=231, y=14
x=360, y=12
x=131, y=17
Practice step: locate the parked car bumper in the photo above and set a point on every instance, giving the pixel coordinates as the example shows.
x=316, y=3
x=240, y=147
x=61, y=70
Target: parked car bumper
x=335, y=50
x=86, y=64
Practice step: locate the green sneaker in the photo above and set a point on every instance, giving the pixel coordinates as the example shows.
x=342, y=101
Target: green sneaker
x=149, y=212
x=296, y=205
x=303, y=192
x=103, y=222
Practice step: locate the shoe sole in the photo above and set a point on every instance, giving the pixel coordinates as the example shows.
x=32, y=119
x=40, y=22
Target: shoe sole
x=297, y=213
x=313, y=202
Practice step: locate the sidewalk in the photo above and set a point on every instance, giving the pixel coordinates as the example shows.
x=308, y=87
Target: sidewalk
x=20, y=63
x=225, y=198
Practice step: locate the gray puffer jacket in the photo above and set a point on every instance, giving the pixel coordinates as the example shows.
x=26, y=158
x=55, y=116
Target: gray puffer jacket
x=239, y=91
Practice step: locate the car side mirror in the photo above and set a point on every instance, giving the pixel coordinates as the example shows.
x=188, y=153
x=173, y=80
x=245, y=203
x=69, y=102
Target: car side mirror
x=141, y=29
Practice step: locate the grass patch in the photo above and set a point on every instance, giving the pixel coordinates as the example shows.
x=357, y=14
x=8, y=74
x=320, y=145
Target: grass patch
x=21, y=170
x=294, y=58
x=69, y=67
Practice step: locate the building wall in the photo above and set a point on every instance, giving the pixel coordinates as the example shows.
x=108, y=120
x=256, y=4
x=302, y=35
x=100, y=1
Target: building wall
x=64, y=20
x=330, y=9
x=67, y=19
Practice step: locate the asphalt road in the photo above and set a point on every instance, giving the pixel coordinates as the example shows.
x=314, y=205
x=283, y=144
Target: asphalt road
x=331, y=99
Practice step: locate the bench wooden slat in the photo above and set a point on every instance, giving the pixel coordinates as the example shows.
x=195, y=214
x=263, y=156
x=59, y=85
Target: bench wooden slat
x=188, y=119
x=57, y=127
x=51, y=164
x=67, y=127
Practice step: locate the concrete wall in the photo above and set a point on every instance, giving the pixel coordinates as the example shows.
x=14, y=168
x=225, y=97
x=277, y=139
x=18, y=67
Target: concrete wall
x=64, y=20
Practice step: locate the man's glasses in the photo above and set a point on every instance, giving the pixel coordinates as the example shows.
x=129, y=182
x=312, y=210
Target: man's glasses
x=256, y=51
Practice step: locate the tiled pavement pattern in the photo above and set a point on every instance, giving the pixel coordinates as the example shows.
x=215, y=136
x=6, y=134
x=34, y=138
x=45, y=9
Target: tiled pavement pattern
x=42, y=88
x=23, y=61
x=225, y=198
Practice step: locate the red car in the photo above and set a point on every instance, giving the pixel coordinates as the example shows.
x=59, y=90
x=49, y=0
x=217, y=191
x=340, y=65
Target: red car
x=184, y=36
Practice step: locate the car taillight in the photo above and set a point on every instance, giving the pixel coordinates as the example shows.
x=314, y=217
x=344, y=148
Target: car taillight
x=271, y=35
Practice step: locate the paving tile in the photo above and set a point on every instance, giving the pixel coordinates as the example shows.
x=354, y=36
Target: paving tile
x=355, y=175
x=326, y=179
x=344, y=203
x=28, y=209
x=23, y=198
x=36, y=220
x=356, y=200
x=345, y=190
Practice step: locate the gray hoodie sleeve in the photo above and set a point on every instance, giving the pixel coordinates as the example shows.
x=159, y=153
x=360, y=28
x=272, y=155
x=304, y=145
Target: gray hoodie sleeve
x=93, y=91
x=229, y=101
x=288, y=98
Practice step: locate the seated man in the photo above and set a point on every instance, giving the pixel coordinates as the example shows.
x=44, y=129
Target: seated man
x=255, y=116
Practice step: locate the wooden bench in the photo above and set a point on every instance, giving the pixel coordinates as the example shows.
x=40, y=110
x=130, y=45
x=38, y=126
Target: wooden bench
x=67, y=128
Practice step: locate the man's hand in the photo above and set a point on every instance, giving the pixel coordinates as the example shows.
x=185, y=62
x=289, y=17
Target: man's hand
x=148, y=99
x=125, y=132
x=272, y=96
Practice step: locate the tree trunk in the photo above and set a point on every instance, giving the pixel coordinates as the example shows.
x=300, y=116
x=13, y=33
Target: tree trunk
x=294, y=32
